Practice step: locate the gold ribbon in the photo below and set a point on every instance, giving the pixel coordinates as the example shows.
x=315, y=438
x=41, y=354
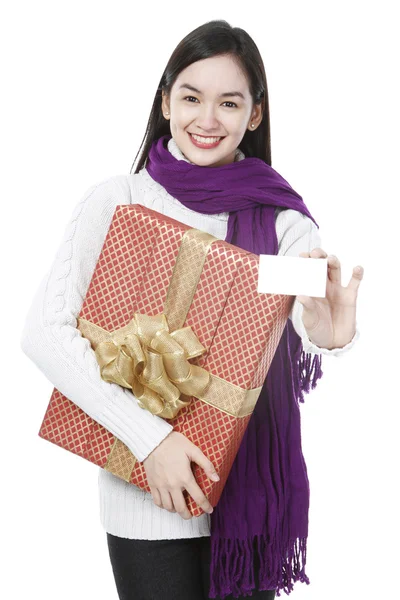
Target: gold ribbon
x=154, y=362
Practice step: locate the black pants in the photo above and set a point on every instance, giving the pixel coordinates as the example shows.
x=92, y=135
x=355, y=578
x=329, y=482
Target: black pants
x=165, y=569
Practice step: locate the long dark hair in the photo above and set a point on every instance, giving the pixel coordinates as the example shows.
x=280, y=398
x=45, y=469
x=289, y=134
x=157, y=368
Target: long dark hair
x=212, y=39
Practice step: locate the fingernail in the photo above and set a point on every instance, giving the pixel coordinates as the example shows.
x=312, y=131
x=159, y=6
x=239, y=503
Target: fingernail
x=215, y=477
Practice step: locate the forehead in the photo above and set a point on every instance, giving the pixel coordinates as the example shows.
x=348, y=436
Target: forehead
x=214, y=76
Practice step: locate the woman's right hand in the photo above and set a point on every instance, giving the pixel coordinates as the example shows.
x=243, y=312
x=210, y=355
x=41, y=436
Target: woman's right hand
x=169, y=472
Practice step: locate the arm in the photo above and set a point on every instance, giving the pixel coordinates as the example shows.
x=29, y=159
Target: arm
x=50, y=337
x=297, y=233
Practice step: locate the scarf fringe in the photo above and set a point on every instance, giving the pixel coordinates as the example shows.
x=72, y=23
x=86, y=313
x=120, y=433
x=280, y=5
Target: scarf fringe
x=309, y=370
x=293, y=568
x=236, y=572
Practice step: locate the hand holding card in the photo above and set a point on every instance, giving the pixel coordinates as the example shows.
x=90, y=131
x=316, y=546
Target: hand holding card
x=329, y=309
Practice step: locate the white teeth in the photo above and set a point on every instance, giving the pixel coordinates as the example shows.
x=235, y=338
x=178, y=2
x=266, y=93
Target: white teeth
x=206, y=140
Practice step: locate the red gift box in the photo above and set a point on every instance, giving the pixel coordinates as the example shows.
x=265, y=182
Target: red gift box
x=169, y=299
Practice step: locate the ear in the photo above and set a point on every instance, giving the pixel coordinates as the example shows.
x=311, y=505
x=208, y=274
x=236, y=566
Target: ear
x=165, y=103
x=256, y=115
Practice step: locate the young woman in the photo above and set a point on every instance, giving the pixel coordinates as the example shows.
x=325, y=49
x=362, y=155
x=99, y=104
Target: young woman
x=206, y=161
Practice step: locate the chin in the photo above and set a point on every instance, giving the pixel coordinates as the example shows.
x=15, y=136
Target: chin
x=204, y=161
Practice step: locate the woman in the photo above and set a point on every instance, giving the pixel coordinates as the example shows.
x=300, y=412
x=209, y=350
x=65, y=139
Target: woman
x=205, y=162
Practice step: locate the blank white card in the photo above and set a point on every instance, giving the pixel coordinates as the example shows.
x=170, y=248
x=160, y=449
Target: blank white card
x=292, y=275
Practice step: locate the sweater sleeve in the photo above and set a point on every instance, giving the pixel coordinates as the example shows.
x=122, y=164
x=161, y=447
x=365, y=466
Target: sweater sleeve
x=297, y=233
x=51, y=339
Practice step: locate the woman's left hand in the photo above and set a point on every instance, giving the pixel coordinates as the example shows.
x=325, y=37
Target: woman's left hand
x=330, y=322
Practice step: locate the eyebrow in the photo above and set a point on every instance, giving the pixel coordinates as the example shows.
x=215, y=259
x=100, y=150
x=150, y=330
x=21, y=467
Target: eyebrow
x=225, y=95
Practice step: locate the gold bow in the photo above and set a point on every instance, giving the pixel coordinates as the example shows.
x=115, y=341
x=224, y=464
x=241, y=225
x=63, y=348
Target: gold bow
x=152, y=361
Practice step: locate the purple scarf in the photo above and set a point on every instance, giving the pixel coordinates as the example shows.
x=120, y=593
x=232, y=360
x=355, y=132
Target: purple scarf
x=264, y=506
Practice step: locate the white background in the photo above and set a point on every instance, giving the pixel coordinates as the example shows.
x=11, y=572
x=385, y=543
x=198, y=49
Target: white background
x=78, y=83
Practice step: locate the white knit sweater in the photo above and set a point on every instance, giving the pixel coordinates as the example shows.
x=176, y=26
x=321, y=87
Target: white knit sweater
x=50, y=338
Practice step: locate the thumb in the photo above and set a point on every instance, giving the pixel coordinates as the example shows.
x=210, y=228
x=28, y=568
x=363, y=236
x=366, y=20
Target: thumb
x=307, y=302
x=197, y=456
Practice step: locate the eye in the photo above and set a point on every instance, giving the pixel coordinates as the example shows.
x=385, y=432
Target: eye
x=228, y=101
x=190, y=97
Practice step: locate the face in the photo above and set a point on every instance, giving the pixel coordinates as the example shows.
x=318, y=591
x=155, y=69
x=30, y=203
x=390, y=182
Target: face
x=210, y=99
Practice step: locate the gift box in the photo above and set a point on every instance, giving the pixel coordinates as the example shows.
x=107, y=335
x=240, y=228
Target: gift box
x=173, y=314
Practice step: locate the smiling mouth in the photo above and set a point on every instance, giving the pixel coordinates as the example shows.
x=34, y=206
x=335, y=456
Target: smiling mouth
x=205, y=141
x=204, y=137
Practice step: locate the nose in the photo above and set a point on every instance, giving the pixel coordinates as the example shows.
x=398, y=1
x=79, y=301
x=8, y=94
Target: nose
x=207, y=120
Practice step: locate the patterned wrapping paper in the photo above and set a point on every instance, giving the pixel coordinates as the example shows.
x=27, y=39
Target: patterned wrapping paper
x=148, y=266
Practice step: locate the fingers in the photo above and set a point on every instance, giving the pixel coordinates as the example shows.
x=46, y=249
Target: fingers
x=162, y=498
x=197, y=456
x=168, y=478
x=356, y=278
x=198, y=496
x=334, y=273
x=318, y=253
x=201, y=459
x=180, y=504
x=314, y=253
x=334, y=269
x=307, y=302
x=167, y=500
x=174, y=501
x=156, y=496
